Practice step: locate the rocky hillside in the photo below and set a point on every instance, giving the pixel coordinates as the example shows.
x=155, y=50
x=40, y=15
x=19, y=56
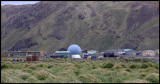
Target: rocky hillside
x=100, y=25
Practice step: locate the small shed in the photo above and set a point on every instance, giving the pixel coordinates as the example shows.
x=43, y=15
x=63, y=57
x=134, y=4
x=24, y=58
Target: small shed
x=29, y=58
x=32, y=58
x=129, y=52
x=35, y=58
x=148, y=53
x=76, y=56
x=91, y=52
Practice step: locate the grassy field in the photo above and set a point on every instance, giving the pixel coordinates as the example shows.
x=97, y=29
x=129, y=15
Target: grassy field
x=79, y=71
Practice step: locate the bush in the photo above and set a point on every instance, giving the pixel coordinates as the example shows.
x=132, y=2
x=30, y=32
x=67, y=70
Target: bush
x=50, y=66
x=42, y=75
x=107, y=65
x=144, y=66
x=24, y=76
x=77, y=72
x=27, y=70
x=149, y=64
x=157, y=66
x=41, y=65
x=133, y=66
x=117, y=66
x=123, y=65
x=128, y=70
x=87, y=78
x=94, y=67
x=153, y=77
x=150, y=69
x=3, y=66
x=142, y=75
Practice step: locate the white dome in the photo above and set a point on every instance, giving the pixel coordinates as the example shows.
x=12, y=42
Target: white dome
x=74, y=49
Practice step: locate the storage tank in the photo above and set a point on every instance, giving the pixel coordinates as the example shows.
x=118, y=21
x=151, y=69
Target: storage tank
x=74, y=49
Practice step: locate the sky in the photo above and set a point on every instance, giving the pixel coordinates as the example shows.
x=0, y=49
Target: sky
x=17, y=2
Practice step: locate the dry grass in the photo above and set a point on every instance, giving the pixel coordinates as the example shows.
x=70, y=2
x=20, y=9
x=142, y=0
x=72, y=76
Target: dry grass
x=87, y=71
x=117, y=66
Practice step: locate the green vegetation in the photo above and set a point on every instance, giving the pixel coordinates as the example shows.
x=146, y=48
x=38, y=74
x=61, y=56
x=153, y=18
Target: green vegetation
x=133, y=66
x=115, y=25
x=41, y=75
x=107, y=65
x=79, y=71
x=152, y=77
x=144, y=66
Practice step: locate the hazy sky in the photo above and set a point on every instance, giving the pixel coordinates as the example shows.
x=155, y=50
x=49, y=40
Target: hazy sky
x=17, y=2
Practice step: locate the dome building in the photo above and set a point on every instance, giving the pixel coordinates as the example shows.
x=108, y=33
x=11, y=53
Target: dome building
x=75, y=50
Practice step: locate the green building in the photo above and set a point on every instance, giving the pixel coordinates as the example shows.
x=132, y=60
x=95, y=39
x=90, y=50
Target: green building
x=129, y=51
x=64, y=53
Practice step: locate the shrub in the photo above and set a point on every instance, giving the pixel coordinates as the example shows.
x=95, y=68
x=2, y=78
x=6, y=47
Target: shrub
x=77, y=72
x=3, y=66
x=153, y=77
x=24, y=76
x=87, y=79
x=144, y=66
x=107, y=65
x=41, y=65
x=50, y=66
x=128, y=70
x=117, y=66
x=123, y=65
x=133, y=66
x=156, y=66
x=142, y=75
x=27, y=70
x=94, y=67
x=150, y=69
x=42, y=75
x=149, y=64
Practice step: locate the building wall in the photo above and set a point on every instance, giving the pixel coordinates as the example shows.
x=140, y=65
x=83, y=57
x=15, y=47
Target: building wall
x=148, y=53
x=23, y=54
x=64, y=54
x=41, y=53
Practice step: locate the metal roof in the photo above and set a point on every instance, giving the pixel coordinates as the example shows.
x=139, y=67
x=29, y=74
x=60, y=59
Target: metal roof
x=62, y=52
x=148, y=50
x=26, y=51
x=127, y=49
